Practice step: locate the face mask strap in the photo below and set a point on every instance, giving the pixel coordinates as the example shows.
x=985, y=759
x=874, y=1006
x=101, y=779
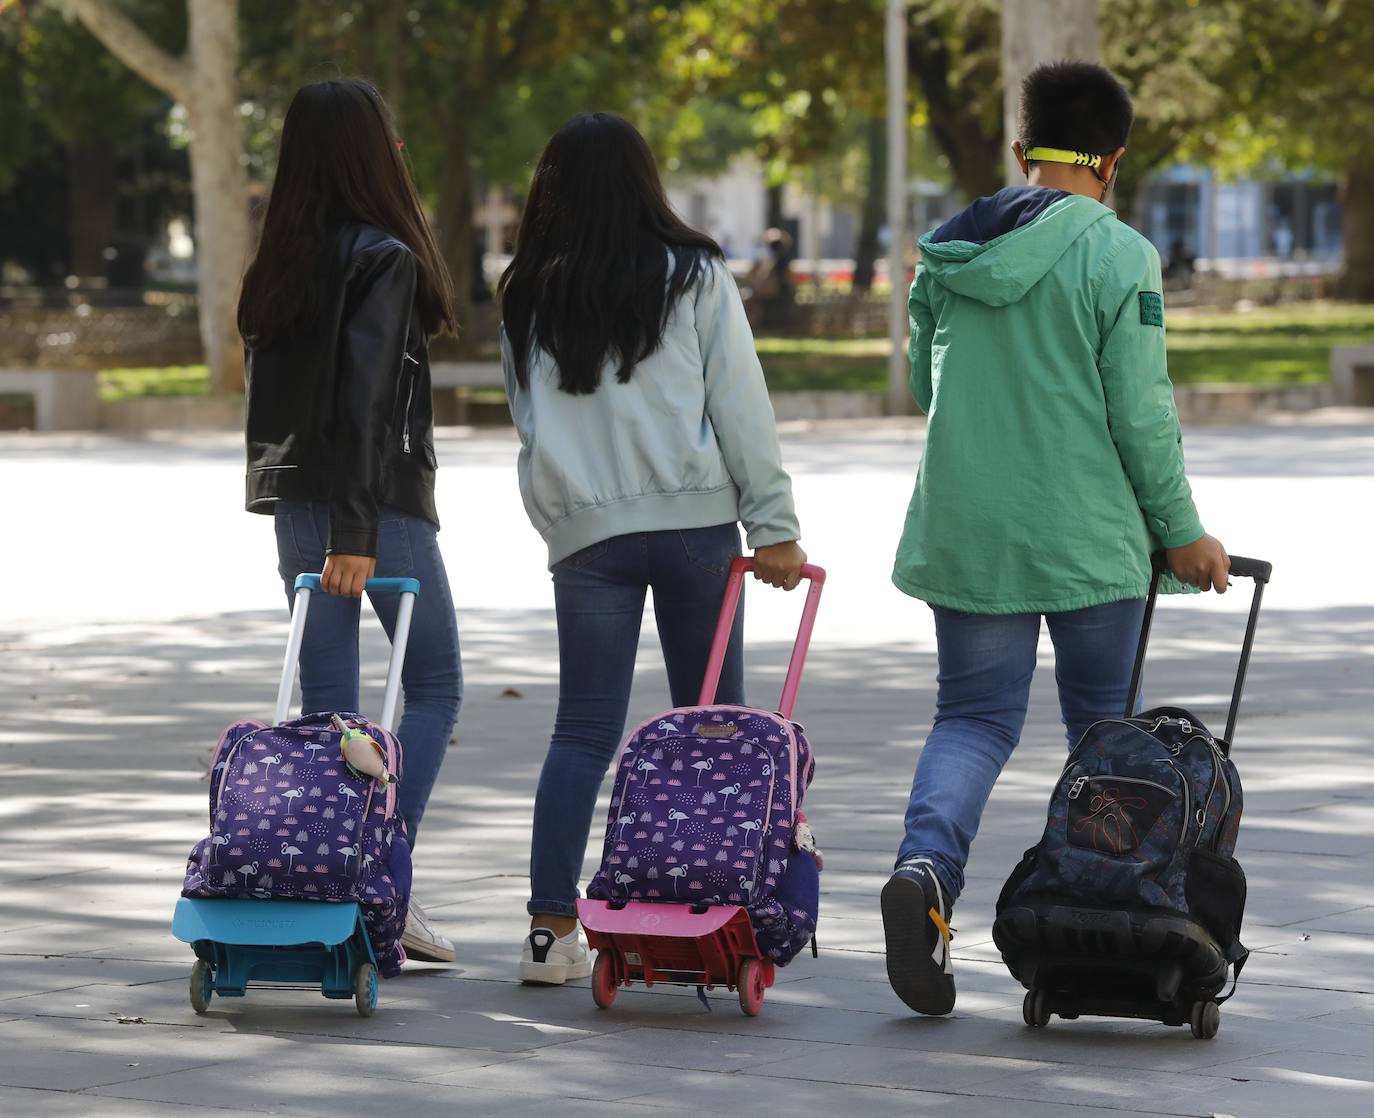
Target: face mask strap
x=1062, y=155
x=1073, y=159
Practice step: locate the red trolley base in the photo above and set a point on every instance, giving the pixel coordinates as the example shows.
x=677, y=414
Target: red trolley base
x=648, y=942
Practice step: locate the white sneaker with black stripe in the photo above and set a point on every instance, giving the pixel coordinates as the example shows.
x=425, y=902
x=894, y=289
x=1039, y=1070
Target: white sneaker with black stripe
x=549, y=961
x=916, y=912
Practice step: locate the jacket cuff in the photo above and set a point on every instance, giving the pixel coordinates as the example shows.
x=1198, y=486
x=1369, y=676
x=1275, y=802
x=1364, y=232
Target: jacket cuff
x=352, y=541
x=1179, y=534
x=766, y=537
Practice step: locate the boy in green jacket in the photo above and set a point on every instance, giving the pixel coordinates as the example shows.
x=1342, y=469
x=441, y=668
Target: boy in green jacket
x=1053, y=467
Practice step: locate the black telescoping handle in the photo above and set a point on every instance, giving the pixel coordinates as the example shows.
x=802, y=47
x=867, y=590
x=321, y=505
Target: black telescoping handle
x=1255, y=569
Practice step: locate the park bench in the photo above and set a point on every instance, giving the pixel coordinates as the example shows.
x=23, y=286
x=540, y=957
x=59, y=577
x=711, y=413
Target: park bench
x=466, y=374
x=453, y=382
x=64, y=399
x=1352, y=373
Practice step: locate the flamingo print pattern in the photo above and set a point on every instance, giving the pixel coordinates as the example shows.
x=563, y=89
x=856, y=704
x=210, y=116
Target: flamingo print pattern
x=726, y=835
x=263, y=828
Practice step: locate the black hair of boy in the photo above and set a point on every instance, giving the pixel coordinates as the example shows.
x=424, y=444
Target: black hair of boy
x=1075, y=106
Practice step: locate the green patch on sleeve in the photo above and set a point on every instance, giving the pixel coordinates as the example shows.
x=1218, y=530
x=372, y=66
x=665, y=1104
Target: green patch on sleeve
x=1151, y=308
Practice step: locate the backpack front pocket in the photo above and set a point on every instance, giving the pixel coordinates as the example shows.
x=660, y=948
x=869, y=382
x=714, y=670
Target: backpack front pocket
x=1113, y=814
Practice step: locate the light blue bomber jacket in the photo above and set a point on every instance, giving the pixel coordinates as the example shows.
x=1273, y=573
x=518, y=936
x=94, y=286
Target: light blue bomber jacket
x=688, y=442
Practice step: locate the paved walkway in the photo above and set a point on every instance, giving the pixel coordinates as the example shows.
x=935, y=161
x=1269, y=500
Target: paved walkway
x=128, y=638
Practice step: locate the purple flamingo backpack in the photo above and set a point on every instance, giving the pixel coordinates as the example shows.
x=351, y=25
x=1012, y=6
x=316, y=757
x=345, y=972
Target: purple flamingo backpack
x=707, y=801
x=290, y=820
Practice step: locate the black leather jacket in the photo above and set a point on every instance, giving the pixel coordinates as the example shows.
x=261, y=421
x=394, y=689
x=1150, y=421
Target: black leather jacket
x=342, y=412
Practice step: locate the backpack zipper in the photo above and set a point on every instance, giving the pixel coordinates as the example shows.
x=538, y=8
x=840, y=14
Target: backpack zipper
x=1079, y=784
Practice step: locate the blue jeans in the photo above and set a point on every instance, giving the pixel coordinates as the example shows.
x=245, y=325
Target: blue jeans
x=432, y=676
x=986, y=663
x=599, y=597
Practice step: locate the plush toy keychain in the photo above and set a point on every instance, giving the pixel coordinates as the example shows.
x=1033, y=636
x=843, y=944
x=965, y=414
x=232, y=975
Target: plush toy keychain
x=362, y=754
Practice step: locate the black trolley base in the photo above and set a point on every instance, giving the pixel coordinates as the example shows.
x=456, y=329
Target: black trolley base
x=1076, y=961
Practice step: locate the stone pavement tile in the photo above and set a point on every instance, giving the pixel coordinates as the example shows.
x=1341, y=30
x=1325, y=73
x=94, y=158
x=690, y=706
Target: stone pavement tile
x=670, y=1048
x=366, y=1057
x=1326, y=960
x=763, y=1095
x=1358, y=1015
x=442, y=1019
x=28, y=1064
x=1092, y=1042
x=912, y=1069
x=19, y=1102
x=1073, y=1085
x=553, y=1073
x=1277, y=1002
x=1299, y=1097
x=876, y=996
x=1356, y=921
x=28, y=974
x=595, y=1108
x=317, y=1089
x=1330, y=1070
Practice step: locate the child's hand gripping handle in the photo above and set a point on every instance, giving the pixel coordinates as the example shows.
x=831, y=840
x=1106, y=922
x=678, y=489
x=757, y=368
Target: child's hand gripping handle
x=738, y=569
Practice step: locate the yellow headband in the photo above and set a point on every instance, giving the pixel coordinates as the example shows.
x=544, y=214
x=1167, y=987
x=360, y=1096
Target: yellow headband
x=1059, y=155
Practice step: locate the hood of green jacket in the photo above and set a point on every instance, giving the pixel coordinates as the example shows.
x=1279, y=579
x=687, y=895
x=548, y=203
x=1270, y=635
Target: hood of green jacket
x=1000, y=271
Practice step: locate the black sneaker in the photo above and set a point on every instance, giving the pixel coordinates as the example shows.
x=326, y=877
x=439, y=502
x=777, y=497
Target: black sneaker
x=916, y=921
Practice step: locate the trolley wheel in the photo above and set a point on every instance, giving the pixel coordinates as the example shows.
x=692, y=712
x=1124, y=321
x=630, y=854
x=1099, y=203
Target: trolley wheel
x=604, y=984
x=1205, y=1020
x=1035, y=1010
x=751, y=986
x=202, y=986
x=365, y=989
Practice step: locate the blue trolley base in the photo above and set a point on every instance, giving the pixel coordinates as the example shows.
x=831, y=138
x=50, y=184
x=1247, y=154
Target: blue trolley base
x=293, y=944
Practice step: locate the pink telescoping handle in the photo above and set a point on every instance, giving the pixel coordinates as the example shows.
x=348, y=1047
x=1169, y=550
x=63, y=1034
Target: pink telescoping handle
x=728, y=608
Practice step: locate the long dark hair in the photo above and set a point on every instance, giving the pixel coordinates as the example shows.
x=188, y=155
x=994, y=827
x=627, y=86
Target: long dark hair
x=339, y=161
x=590, y=281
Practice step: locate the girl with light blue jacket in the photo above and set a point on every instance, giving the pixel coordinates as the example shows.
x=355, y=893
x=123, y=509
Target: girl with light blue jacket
x=646, y=438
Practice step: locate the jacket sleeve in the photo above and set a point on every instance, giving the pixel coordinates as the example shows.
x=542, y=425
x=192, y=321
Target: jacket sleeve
x=1140, y=399
x=740, y=412
x=372, y=347
x=918, y=348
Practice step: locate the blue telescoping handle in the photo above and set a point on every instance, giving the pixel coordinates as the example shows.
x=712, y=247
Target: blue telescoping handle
x=379, y=585
x=308, y=584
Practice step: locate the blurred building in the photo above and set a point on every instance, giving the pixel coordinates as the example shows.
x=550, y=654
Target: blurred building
x=1293, y=218
x=1285, y=223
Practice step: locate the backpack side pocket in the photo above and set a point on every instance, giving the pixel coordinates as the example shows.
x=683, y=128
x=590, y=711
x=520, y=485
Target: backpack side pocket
x=1216, y=894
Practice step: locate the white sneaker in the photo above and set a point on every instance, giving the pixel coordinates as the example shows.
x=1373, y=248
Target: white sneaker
x=421, y=940
x=549, y=961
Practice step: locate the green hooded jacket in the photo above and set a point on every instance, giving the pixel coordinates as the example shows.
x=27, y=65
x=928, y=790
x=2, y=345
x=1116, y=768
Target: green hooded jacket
x=1053, y=462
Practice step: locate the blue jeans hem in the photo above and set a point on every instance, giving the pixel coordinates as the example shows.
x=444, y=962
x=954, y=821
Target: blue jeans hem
x=550, y=908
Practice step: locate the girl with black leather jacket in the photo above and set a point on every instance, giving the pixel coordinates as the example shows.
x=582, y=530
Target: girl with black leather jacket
x=336, y=310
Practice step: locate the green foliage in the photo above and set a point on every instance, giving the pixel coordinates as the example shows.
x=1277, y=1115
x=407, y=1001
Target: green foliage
x=1273, y=345
x=171, y=380
x=59, y=85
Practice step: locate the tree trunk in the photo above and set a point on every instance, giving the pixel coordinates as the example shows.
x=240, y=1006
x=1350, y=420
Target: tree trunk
x=90, y=207
x=456, y=240
x=1036, y=31
x=205, y=81
x=957, y=82
x=874, y=206
x=220, y=185
x=1357, y=202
